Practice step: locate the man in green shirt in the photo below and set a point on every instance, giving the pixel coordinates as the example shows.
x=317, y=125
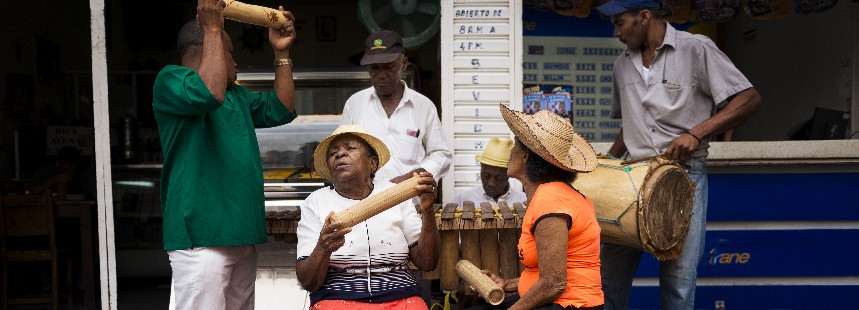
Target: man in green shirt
x=211, y=182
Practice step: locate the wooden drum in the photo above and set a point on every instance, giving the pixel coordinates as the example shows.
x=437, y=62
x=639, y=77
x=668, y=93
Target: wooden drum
x=645, y=204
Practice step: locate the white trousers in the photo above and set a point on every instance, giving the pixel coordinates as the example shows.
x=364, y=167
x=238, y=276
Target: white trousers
x=216, y=278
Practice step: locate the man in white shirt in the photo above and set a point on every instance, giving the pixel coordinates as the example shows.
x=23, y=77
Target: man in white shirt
x=493, y=175
x=402, y=118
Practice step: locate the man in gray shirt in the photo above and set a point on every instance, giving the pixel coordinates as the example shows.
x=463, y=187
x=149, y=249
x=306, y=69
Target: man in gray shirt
x=668, y=85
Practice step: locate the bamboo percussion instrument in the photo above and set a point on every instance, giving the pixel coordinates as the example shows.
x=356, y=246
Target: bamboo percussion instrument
x=481, y=282
x=254, y=14
x=378, y=203
x=486, y=235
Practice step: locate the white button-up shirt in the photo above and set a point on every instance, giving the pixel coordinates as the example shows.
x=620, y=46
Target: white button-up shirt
x=412, y=133
x=477, y=195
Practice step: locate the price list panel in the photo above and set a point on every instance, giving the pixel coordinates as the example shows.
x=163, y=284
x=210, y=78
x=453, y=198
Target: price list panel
x=583, y=67
x=481, y=68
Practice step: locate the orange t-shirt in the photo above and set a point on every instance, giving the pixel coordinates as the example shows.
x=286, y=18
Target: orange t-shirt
x=584, y=288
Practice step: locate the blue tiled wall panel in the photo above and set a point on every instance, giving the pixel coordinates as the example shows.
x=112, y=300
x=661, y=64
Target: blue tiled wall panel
x=758, y=297
x=774, y=253
x=784, y=197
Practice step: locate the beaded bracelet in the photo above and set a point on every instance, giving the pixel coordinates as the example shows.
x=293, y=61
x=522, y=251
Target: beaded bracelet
x=694, y=136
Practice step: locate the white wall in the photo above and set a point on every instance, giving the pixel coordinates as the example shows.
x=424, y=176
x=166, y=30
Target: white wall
x=796, y=63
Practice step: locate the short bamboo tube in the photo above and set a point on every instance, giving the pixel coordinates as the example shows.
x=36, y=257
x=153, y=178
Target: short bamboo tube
x=254, y=14
x=378, y=203
x=481, y=282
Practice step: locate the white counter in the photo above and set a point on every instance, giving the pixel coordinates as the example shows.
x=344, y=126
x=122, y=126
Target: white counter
x=776, y=156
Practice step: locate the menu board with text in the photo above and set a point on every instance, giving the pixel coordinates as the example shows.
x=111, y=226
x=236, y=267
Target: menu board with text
x=481, y=69
x=576, y=56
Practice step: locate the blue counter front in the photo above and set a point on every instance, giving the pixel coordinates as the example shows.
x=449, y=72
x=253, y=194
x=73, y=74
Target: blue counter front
x=782, y=229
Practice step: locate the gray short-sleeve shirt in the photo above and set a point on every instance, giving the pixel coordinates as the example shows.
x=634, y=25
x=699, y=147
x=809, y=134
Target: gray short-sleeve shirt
x=688, y=79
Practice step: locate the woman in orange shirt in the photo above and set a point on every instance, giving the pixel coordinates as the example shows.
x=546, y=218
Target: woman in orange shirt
x=560, y=240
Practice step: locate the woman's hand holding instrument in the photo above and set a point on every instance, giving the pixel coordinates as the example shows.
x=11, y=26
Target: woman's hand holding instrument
x=482, y=283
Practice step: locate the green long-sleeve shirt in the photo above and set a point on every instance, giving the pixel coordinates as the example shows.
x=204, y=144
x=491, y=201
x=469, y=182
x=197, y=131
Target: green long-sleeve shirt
x=211, y=180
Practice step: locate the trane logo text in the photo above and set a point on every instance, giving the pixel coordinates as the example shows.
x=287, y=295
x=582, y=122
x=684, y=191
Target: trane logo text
x=717, y=258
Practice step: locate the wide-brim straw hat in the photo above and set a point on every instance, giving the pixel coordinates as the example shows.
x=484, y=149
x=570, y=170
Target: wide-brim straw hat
x=320, y=158
x=552, y=138
x=496, y=153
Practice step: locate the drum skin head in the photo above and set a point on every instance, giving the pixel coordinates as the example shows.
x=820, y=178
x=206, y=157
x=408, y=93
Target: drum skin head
x=662, y=229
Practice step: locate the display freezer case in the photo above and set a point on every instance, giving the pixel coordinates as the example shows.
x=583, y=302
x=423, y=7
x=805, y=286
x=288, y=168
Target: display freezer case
x=287, y=151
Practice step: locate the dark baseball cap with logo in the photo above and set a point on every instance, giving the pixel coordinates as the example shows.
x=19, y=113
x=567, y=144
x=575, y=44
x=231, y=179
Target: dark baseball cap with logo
x=615, y=7
x=382, y=47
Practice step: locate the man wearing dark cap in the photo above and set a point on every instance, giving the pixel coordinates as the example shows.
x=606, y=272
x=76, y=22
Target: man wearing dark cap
x=667, y=86
x=402, y=118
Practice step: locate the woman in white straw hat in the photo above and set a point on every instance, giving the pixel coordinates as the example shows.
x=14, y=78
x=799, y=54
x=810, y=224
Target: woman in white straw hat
x=365, y=266
x=560, y=240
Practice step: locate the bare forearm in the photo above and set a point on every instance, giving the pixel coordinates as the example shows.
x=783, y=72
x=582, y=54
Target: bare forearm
x=311, y=272
x=284, y=86
x=213, y=68
x=550, y=235
x=740, y=108
x=428, y=250
x=543, y=292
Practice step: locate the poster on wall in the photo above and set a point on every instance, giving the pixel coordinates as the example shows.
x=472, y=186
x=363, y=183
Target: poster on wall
x=532, y=103
x=560, y=104
x=555, y=98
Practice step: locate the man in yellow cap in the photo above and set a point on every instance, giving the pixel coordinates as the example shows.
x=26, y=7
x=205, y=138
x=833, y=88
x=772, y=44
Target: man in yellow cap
x=493, y=175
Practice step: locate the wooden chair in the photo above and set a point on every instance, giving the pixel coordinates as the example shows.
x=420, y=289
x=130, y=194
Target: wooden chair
x=30, y=216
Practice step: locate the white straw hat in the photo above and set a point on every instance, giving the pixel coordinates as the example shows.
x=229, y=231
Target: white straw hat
x=319, y=156
x=552, y=138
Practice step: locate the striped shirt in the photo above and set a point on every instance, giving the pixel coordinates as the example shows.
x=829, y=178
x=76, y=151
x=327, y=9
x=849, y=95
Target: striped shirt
x=372, y=266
